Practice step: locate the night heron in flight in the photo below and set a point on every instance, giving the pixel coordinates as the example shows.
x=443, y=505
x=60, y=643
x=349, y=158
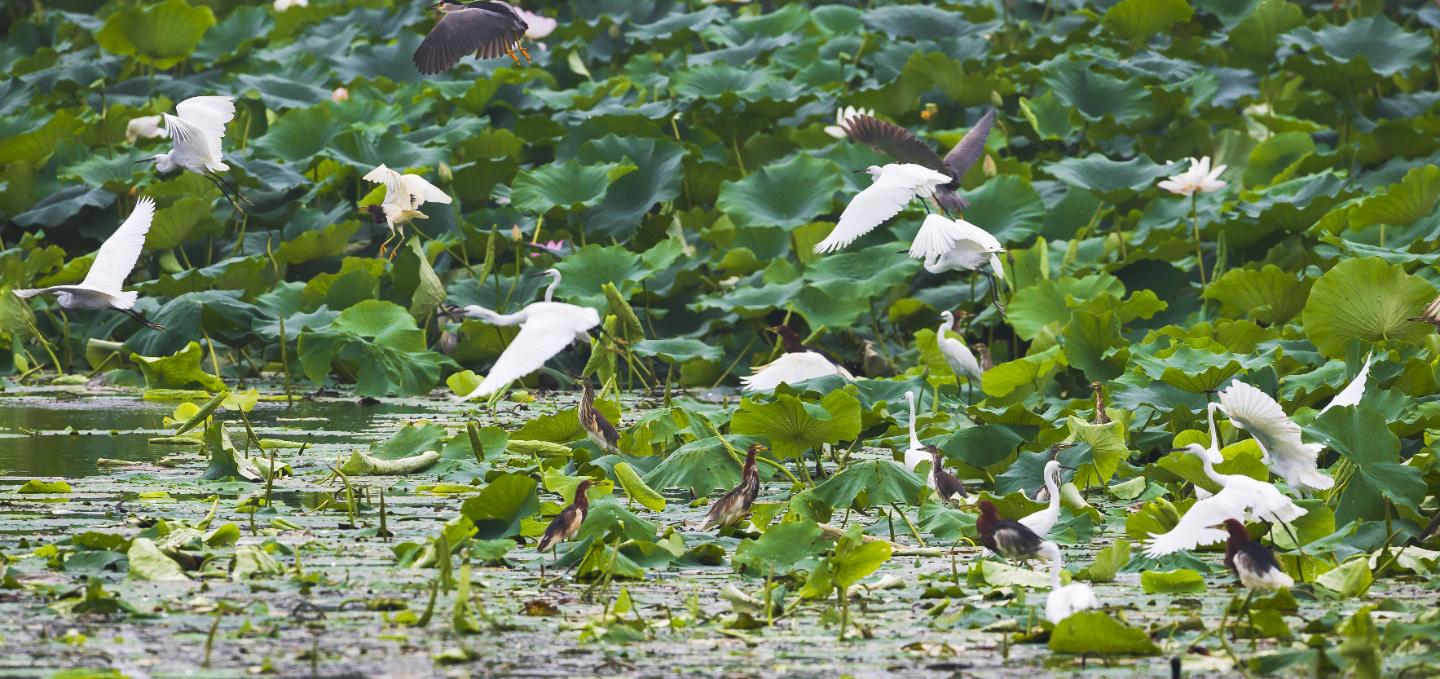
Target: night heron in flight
x=486, y=29
x=114, y=261
x=197, y=132
x=904, y=147
x=546, y=328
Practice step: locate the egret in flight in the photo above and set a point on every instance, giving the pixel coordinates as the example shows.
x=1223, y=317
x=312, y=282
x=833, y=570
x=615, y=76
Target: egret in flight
x=114, y=261
x=197, y=132
x=486, y=29
x=893, y=188
x=957, y=245
x=404, y=194
x=904, y=147
x=797, y=364
x=957, y=355
x=1352, y=392
x=1279, y=437
x=546, y=328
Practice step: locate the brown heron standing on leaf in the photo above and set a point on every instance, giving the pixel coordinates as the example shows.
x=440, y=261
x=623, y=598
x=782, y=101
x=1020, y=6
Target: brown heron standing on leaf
x=734, y=505
x=600, y=430
x=982, y=352
x=1011, y=539
x=567, y=523
x=947, y=485
x=1100, y=416
x=486, y=29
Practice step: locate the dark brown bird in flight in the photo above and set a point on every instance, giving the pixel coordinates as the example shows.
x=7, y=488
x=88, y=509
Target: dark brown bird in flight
x=902, y=145
x=487, y=29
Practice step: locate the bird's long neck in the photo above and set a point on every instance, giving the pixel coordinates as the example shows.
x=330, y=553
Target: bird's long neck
x=914, y=440
x=1215, y=476
x=1053, y=488
x=986, y=362
x=944, y=325
x=582, y=503
x=1214, y=439
x=749, y=470
x=791, y=341
x=550, y=290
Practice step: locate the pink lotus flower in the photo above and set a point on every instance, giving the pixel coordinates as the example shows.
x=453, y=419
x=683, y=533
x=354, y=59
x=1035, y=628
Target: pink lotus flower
x=540, y=26
x=1199, y=178
x=340, y=95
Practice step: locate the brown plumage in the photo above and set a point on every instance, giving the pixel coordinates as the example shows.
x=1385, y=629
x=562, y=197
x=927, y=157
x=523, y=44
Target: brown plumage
x=982, y=354
x=600, y=430
x=1010, y=539
x=946, y=484
x=1431, y=314
x=791, y=341
x=1253, y=563
x=1100, y=416
x=735, y=504
x=488, y=29
x=875, y=364
x=567, y=522
x=902, y=145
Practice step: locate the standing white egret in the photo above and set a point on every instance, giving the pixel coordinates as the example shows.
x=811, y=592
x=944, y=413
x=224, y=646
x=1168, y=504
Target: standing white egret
x=916, y=453
x=404, y=194
x=957, y=355
x=1240, y=497
x=545, y=329
x=1042, y=521
x=797, y=364
x=113, y=263
x=957, y=245
x=903, y=146
x=894, y=186
x=197, y=132
x=1063, y=602
x=1352, y=392
x=1279, y=437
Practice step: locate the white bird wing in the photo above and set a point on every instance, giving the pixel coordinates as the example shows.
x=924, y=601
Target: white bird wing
x=394, y=190
x=422, y=191
x=792, y=369
x=987, y=241
x=1352, y=392
x=896, y=186
x=546, y=332
x=1195, y=528
x=937, y=236
x=118, y=254
x=960, y=358
x=1279, y=437
x=209, y=115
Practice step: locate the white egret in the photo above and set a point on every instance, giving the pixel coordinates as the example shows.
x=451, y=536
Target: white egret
x=904, y=147
x=1062, y=602
x=101, y=288
x=1352, y=392
x=197, y=132
x=1042, y=521
x=546, y=328
x=894, y=187
x=946, y=485
x=797, y=364
x=1240, y=497
x=957, y=245
x=957, y=355
x=486, y=29
x=916, y=453
x=843, y=116
x=1011, y=539
x=404, y=194
x=1279, y=437
x=1254, y=564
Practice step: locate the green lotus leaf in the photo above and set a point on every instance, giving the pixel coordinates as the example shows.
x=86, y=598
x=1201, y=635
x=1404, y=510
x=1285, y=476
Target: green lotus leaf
x=1096, y=96
x=1096, y=633
x=569, y=185
x=870, y=483
x=792, y=426
x=786, y=194
x=147, y=562
x=981, y=446
x=500, y=506
x=36, y=145
x=680, y=349
x=377, y=344
x=781, y=549
x=635, y=488
x=1025, y=372
x=1362, y=435
x=1257, y=35
x=412, y=439
x=703, y=466
x=1277, y=157
x=1268, y=294
x=1367, y=300
x=317, y=244
x=181, y=370
x=299, y=135
x=1008, y=207
x=1386, y=48
x=629, y=198
x=585, y=273
x=1197, y=366
x=1178, y=581
x=1098, y=173
x=160, y=35
x=1403, y=203
x=1140, y=19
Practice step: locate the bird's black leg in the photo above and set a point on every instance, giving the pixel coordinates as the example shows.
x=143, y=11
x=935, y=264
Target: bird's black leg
x=995, y=293
x=141, y=319
x=234, y=188
x=223, y=190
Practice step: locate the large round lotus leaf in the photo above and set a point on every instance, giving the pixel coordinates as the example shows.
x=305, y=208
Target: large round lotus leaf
x=1267, y=294
x=1096, y=95
x=680, y=349
x=1384, y=46
x=160, y=35
x=568, y=185
x=1008, y=207
x=1098, y=173
x=1140, y=19
x=786, y=194
x=1365, y=299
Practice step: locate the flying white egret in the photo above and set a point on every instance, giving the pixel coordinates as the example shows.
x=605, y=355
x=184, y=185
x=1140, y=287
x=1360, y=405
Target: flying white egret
x=916, y=453
x=1240, y=497
x=486, y=29
x=546, y=328
x=197, y=132
x=894, y=187
x=1042, y=521
x=1254, y=564
x=1063, y=602
x=101, y=288
x=959, y=356
x=404, y=194
x=957, y=245
x=1279, y=437
x=797, y=364
x=904, y=147
x=1352, y=392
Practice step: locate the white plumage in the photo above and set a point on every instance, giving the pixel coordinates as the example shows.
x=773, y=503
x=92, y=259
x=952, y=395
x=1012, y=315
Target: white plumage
x=1254, y=411
x=404, y=194
x=916, y=453
x=895, y=185
x=956, y=245
x=1042, y=521
x=116, y=258
x=1260, y=577
x=1062, y=602
x=1241, y=498
x=957, y=355
x=546, y=328
x=792, y=368
x=197, y=132
x=1352, y=392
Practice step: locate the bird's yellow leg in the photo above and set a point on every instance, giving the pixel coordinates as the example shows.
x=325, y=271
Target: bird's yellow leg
x=521, y=46
x=391, y=237
x=510, y=51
